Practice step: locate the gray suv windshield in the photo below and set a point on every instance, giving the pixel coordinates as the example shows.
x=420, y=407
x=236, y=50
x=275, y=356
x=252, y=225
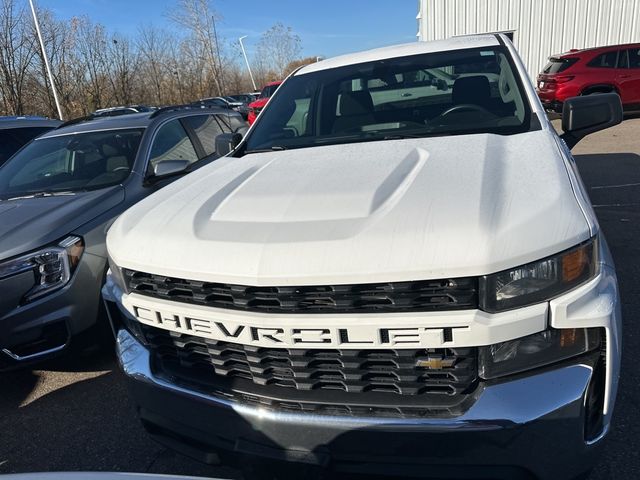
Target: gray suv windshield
x=445, y=93
x=69, y=163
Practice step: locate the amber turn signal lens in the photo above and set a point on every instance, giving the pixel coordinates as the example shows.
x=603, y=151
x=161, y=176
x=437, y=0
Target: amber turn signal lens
x=575, y=263
x=568, y=337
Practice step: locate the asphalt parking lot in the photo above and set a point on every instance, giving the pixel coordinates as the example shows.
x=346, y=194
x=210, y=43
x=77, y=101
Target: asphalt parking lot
x=74, y=413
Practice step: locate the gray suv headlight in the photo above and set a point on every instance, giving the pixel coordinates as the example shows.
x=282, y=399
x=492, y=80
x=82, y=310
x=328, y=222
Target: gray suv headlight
x=52, y=266
x=539, y=281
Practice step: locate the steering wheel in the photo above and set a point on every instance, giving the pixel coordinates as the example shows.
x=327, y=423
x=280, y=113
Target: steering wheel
x=463, y=107
x=120, y=169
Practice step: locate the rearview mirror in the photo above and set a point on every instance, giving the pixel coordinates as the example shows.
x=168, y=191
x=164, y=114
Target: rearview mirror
x=582, y=116
x=227, y=142
x=169, y=167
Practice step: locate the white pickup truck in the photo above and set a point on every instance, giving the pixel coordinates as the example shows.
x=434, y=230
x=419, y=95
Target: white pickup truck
x=385, y=275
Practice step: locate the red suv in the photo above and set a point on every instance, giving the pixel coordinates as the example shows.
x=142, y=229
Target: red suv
x=595, y=70
x=256, y=107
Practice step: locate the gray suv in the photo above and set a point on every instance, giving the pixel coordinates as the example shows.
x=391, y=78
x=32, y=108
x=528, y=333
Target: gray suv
x=58, y=197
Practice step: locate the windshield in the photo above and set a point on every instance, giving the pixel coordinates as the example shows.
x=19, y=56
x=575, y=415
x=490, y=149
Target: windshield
x=70, y=163
x=447, y=93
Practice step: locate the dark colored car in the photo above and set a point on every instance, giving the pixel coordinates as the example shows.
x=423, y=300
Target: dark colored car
x=58, y=197
x=224, y=102
x=596, y=70
x=15, y=132
x=256, y=107
x=244, y=98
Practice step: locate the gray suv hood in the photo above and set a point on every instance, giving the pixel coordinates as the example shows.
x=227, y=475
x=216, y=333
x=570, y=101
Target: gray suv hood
x=29, y=223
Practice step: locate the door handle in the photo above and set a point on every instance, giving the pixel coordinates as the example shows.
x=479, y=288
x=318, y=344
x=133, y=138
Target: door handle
x=625, y=76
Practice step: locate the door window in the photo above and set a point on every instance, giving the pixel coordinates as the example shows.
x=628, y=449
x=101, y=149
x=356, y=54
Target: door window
x=634, y=57
x=206, y=128
x=605, y=60
x=172, y=143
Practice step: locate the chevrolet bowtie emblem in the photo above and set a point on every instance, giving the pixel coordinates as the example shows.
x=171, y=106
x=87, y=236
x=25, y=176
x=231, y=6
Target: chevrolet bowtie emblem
x=436, y=362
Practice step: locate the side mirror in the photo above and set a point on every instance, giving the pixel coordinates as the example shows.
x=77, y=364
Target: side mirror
x=170, y=167
x=227, y=142
x=582, y=116
x=242, y=130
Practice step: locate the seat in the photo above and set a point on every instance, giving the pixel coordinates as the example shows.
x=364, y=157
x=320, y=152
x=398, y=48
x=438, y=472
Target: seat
x=356, y=111
x=473, y=90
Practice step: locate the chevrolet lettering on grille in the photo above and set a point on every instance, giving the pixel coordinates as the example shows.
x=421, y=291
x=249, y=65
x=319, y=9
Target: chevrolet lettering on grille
x=309, y=337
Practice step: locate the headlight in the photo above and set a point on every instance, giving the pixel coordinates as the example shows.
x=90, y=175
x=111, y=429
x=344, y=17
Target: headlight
x=539, y=281
x=544, y=348
x=52, y=266
x=117, y=276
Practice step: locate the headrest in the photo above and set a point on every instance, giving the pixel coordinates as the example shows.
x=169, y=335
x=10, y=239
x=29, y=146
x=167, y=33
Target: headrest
x=109, y=150
x=356, y=103
x=475, y=90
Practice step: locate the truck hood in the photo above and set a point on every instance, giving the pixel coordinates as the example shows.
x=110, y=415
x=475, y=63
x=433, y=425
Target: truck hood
x=30, y=223
x=359, y=213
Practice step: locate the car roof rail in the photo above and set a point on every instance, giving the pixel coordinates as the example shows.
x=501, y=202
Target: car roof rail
x=75, y=121
x=175, y=108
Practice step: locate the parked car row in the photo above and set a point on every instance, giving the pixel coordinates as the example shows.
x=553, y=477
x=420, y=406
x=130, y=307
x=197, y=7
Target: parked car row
x=395, y=269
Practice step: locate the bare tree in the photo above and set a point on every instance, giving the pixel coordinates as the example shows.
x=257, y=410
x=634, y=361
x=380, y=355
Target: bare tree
x=92, y=48
x=278, y=47
x=17, y=52
x=153, y=45
x=93, y=67
x=123, y=65
x=60, y=43
x=199, y=18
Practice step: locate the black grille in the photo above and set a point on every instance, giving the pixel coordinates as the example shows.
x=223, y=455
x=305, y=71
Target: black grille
x=354, y=382
x=423, y=296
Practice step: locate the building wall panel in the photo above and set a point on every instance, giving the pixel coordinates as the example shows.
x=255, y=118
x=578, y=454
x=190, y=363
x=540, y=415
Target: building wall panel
x=542, y=27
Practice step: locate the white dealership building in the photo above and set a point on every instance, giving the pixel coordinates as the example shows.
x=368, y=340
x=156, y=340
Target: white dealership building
x=540, y=27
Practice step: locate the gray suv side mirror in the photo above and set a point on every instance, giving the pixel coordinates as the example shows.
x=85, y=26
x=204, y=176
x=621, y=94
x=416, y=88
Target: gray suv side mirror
x=169, y=167
x=227, y=142
x=582, y=116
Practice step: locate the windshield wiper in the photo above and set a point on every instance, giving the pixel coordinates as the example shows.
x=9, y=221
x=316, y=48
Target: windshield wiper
x=400, y=136
x=275, y=148
x=41, y=195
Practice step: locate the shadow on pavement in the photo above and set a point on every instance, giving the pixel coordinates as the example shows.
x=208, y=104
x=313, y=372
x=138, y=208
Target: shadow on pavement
x=87, y=425
x=610, y=180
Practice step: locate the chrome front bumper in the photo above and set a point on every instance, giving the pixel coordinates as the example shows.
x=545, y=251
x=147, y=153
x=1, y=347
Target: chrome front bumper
x=531, y=424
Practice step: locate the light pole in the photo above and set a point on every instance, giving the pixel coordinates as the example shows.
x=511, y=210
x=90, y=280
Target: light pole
x=46, y=59
x=253, y=82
